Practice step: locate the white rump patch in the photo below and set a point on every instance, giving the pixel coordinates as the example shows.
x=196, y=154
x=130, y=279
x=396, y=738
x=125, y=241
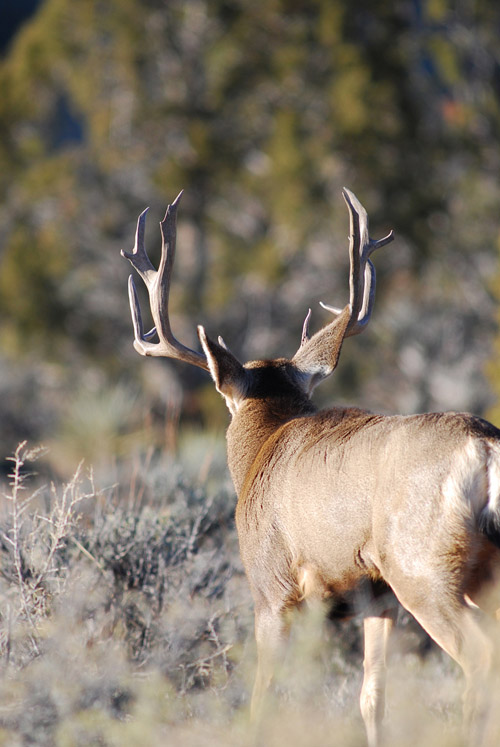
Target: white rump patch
x=466, y=488
x=493, y=467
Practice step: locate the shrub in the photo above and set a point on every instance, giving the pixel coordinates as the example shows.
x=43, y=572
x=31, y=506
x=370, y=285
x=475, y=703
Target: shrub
x=129, y=621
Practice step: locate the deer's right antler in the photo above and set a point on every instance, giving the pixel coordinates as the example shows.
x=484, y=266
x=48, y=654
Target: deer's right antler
x=158, y=285
x=317, y=356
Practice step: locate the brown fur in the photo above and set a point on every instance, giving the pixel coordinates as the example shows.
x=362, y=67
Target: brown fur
x=328, y=499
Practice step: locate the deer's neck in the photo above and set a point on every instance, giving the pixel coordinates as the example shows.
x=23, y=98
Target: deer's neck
x=251, y=427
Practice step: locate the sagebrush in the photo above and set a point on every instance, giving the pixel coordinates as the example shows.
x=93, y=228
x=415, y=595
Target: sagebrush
x=128, y=622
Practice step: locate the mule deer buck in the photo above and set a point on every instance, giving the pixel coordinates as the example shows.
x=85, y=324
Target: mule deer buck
x=335, y=500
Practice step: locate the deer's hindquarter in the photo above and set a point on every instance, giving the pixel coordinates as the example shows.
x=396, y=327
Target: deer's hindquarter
x=332, y=496
x=429, y=500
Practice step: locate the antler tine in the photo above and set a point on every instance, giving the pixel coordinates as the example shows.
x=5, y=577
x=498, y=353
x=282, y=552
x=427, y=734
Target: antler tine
x=362, y=274
x=138, y=257
x=305, y=329
x=135, y=310
x=358, y=237
x=158, y=285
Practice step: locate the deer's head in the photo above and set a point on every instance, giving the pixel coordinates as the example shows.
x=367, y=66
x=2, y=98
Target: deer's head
x=316, y=357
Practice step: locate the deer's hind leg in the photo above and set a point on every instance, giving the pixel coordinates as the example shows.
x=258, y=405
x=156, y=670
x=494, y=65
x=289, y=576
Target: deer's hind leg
x=372, y=700
x=456, y=628
x=271, y=634
x=298, y=584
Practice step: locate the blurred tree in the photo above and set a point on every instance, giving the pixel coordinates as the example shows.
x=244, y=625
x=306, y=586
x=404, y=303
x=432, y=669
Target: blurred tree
x=260, y=113
x=13, y=13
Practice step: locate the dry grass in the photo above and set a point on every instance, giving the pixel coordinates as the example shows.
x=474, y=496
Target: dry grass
x=127, y=622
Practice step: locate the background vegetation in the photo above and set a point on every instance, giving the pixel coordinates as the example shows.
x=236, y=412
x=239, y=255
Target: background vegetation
x=261, y=112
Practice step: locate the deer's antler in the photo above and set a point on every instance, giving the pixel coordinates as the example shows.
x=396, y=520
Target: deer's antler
x=318, y=355
x=158, y=285
x=362, y=274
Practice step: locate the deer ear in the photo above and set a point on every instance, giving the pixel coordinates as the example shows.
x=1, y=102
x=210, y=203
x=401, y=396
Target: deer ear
x=227, y=372
x=318, y=356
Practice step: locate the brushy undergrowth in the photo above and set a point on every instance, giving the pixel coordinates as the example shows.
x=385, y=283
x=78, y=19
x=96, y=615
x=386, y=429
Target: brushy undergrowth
x=128, y=621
